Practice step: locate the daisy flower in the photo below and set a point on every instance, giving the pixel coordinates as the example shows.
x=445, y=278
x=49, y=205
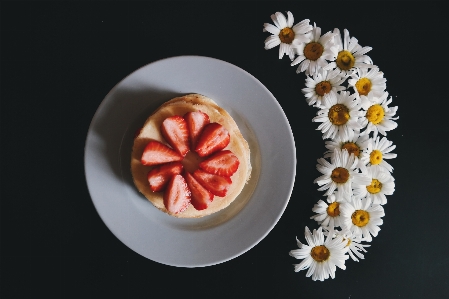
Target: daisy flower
x=382, y=183
x=321, y=257
x=354, y=144
x=284, y=34
x=376, y=151
x=348, y=54
x=377, y=116
x=361, y=218
x=339, y=115
x=365, y=81
x=352, y=242
x=340, y=174
x=328, y=215
x=322, y=83
x=314, y=52
x=355, y=246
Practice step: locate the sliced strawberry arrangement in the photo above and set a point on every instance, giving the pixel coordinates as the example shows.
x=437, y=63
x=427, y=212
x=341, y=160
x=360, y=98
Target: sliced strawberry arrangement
x=177, y=195
x=160, y=175
x=201, y=197
x=196, y=120
x=223, y=163
x=158, y=153
x=216, y=184
x=214, y=137
x=214, y=165
x=174, y=129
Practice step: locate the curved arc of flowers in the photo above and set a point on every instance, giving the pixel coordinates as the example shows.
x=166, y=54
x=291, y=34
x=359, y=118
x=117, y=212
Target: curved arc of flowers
x=362, y=135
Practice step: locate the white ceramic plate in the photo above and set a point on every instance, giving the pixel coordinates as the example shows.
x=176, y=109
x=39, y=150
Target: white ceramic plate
x=190, y=242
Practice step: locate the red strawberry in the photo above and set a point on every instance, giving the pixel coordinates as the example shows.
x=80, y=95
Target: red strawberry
x=216, y=184
x=214, y=137
x=223, y=163
x=174, y=129
x=201, y=197
x=160, y=175
x=177, y=195
x=196, y=120
x=158, y=153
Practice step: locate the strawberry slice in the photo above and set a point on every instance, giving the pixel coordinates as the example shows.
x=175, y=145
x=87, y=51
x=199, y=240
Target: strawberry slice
x=160, y=175
x=201, y=197
x=216, y=184
x=156, y=153
x=214, y=137
x=196, y=120
x=177, y=195
x=174, y=129
x=224, y=163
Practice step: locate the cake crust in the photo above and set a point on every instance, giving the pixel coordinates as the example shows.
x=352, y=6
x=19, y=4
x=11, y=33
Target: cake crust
x=151, y=131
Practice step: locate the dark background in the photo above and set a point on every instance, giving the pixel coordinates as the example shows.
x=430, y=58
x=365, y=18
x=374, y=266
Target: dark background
x=60, y=59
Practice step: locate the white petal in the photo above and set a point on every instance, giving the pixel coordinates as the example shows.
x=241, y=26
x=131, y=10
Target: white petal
x=272, y=41
x=272, y=29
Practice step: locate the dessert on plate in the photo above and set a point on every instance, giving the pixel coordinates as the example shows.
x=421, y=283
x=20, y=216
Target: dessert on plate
x=190, y=159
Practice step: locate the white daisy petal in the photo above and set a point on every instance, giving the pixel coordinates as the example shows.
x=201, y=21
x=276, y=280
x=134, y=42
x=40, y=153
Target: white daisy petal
x=279, y=20
x=271, y=29
x=305, y=264
x=290, y=19
x=271, y=42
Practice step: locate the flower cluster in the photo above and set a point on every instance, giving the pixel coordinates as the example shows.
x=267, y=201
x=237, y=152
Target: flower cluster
x=354, y=110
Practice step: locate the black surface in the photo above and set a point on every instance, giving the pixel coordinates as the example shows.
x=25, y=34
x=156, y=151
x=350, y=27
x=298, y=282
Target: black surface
x=60, y=59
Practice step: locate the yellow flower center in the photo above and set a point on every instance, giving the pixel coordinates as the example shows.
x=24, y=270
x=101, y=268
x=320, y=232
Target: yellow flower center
x=340, y=175
x=322, y=88
x=313, y=51
x=333, y=209
x=375, y=114
x=375, y=186
x=352, y=148
x=320, y=253
x=345, y=60
x=363, y=86
x=338, y=114
x=287, y=35
x=375, y=157
x=360, y=218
